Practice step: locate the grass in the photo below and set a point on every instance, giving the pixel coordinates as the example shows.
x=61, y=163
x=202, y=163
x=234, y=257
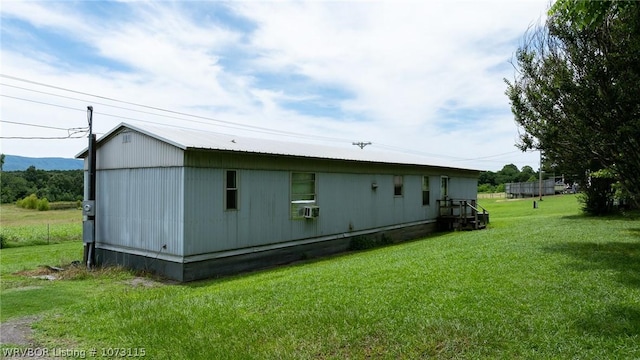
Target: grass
x=539, y=283
x=23, y=227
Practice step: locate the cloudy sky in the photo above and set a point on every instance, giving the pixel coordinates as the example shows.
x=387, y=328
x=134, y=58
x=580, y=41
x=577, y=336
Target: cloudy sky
x=418, y=77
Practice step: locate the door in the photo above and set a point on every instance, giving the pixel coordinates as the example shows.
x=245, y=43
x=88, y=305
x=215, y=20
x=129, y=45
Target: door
x=444, y=187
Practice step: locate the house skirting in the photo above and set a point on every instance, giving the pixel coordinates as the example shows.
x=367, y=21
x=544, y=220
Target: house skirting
x=231, y=262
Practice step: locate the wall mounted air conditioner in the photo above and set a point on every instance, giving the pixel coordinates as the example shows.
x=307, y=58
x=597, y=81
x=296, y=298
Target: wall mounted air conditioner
x=311, y=212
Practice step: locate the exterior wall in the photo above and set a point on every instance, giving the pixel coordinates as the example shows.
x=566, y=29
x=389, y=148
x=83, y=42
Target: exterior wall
x=348, y=204
x=162, y=208
x=141, y=210
x=131, y=149
x=463, y=187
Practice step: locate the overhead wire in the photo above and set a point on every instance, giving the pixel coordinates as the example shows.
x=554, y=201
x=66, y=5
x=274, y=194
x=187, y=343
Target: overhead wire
x=37, y=125
x=178, y=115
x=72, y=133
x=235, y=125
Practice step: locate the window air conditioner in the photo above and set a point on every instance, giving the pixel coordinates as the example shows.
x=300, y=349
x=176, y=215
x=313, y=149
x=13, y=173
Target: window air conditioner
x=311, y=212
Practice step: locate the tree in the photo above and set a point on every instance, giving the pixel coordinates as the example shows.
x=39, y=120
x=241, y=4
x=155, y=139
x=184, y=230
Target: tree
x=527, y=174
x=575, y=95
x=55, y=185
x=508, y=174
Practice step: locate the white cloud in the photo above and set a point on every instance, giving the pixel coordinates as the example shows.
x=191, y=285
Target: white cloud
x=400, y=64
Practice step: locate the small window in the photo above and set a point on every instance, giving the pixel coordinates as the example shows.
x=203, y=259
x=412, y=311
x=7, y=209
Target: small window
x=425, y=190
x=231, y=187
x=303, y=192
x=126, y=138
x=397, y=185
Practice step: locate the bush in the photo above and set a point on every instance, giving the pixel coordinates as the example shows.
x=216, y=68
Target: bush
x=30, y=202
x=63, y=205
x=43, y=204
x=486, y=188
x=3, y=241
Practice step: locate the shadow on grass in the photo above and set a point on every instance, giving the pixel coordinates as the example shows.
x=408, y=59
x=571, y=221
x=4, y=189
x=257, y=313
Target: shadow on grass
x=625, y=216
x=614, y=320
x=305, y=261
x=622, y=257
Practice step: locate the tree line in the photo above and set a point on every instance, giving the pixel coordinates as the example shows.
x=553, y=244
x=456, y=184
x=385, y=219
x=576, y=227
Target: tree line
x=490, y=182
x=53, y=185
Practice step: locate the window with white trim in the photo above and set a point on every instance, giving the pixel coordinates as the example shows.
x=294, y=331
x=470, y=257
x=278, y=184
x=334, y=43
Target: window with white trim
x=303, y=192
x=425, y=190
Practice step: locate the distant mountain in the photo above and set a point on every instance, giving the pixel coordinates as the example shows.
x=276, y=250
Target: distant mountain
x=15, y=163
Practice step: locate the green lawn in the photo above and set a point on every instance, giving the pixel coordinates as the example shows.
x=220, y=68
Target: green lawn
x=538, y=283
x=24, y=227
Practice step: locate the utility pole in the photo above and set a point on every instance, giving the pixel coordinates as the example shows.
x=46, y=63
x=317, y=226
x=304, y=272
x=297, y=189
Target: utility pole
x=362, y=144
x=540, y=173
x=88, y=205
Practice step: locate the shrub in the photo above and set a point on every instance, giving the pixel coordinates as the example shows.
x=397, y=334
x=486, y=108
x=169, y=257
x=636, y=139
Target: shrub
x=485, y=188
x=30, y=202
x=3, y=241
x=63, y=205
x=43, y=204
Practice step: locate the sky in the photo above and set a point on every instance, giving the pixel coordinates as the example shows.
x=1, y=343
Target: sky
x=412, y=77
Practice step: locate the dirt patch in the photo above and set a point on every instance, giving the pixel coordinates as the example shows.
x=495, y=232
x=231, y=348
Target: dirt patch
x=18, y=331
x=40, y=271
x=143, y=282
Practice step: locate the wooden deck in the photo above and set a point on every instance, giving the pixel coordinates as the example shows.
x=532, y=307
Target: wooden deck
x=457, y=214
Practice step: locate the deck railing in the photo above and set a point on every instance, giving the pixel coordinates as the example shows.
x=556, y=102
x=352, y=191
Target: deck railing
x=463, y=213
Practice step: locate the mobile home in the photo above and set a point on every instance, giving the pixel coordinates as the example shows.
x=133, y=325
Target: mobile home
x=190, y=204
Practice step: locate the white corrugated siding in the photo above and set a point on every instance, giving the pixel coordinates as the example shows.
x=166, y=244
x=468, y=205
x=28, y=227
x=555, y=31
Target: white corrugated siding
x=131, y=149
x=347, y=203
x=141, y=209
x=262, y=216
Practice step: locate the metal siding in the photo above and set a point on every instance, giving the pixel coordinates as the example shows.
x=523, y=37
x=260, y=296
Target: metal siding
x=262, y=216
x=141, y=151
x=463, y=188
x=141, y=209
x=203, y=209
x=347, y=203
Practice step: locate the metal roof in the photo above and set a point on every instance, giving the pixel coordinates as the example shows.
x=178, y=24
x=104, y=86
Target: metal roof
x=190, y=139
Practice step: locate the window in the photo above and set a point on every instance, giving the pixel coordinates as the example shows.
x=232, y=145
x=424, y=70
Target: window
x=231, y=190
x=397, y=185
x=425, y=190
x=303, y=192
x=126, y=137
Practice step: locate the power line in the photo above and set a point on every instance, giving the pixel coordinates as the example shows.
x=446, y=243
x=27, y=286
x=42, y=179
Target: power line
x=227, y=124
x=70, y=136
x=40, y=102
x=72, y=133
x=237, y=126
x=40, y=126
x=223, y=123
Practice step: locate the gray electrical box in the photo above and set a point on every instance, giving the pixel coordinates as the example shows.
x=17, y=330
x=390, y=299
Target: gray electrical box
x=89, y=208
x=87, y=231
